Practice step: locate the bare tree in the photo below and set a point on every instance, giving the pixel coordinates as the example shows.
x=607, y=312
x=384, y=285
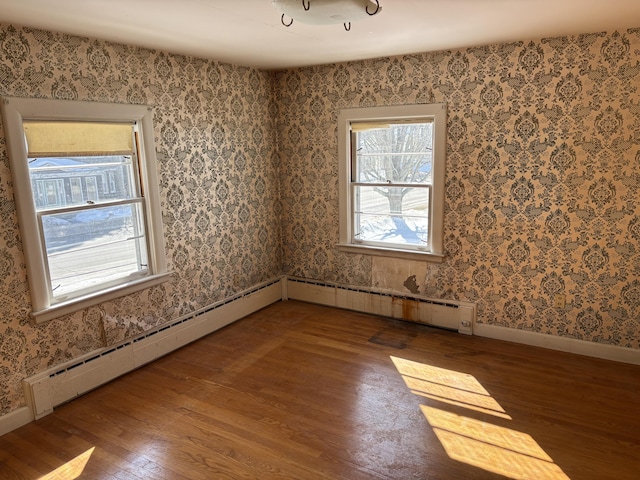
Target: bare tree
x=399, y=154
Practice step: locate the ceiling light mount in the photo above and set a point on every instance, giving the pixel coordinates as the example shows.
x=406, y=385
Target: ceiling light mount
x=366, y=9
x=326, y=12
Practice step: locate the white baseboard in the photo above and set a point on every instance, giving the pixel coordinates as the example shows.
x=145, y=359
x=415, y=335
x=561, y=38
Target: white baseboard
x=46, y=390
x=368, y=300
x=564, y=344
x=43, y=393
x=15, y=419
x=450, y=314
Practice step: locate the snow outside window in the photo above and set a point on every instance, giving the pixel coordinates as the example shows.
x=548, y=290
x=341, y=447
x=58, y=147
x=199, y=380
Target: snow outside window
x=391, y=180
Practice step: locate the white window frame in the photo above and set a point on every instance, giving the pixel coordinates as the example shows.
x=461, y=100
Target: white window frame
x=17, y=110
x=435, y=112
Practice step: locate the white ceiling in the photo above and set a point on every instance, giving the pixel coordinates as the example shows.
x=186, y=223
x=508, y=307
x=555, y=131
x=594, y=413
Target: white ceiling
x=250, y=32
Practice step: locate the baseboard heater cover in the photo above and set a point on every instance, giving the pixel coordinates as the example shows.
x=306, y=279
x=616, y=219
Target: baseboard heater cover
x=56, y=386
x=450, y=314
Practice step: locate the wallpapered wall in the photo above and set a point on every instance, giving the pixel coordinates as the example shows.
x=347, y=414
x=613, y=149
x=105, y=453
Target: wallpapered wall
x=542, y=189
x=542, y=178
x=218, y=169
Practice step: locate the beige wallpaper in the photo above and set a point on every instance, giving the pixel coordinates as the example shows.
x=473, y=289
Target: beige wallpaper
x=542, y=182
x=218, y=169
x=542, y=178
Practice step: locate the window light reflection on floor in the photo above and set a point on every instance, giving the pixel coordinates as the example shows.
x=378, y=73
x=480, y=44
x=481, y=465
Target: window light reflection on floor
x=475, y=442
x=448, y=386
x=72, y=469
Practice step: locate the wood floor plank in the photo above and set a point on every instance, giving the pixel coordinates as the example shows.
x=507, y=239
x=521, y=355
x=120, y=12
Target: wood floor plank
x=299, y=391
x=38, y=458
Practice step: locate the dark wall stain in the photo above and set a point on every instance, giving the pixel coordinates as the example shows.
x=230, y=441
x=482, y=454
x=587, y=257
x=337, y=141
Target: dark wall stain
x=411, y=284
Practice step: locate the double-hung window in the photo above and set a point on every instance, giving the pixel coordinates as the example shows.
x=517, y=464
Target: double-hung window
x=87, y=197
x=392, y=180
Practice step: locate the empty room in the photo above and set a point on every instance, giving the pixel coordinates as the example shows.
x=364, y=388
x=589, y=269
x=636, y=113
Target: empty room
x=320, y=239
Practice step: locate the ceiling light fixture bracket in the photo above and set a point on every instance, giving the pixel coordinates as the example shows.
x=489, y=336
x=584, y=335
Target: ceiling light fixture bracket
x=366, y=9
x=326, y=12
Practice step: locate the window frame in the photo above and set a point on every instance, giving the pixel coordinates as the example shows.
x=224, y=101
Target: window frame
x=14, y=112
x=435, y=112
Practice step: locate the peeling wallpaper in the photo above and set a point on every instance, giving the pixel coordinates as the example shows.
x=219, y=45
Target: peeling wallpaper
x=542, y=183
x=218, y=170
x=542, y=179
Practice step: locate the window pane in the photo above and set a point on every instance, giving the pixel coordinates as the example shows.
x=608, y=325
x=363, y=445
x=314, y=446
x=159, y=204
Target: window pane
x=77, y=194
x=93, y=246
x=399, y=154
x=61, y=182
x=92, y=189
x=50, y=192
x=392, y=215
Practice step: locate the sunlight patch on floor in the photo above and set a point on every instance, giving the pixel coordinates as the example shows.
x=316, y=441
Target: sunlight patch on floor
x=72, y=469
x=454, y=388
x=479, y=443
x=490, y=447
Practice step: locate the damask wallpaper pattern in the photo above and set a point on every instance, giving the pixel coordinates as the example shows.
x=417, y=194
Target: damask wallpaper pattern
x=542, y=182
x=542, y=177
x=218, y=169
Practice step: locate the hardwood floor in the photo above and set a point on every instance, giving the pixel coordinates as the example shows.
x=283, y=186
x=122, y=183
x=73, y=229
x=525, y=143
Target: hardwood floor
x=299, y=391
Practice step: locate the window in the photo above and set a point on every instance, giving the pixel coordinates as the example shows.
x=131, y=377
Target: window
x=86, y=239
x=392, y=180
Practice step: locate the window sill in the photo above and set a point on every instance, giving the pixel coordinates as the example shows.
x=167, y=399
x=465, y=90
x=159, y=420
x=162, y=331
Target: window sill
x=80, y=303
x=391, y=252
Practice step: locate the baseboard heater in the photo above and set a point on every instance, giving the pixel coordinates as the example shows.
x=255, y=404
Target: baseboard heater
x=46, y=390
x=54, y=387
x=449, y=314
